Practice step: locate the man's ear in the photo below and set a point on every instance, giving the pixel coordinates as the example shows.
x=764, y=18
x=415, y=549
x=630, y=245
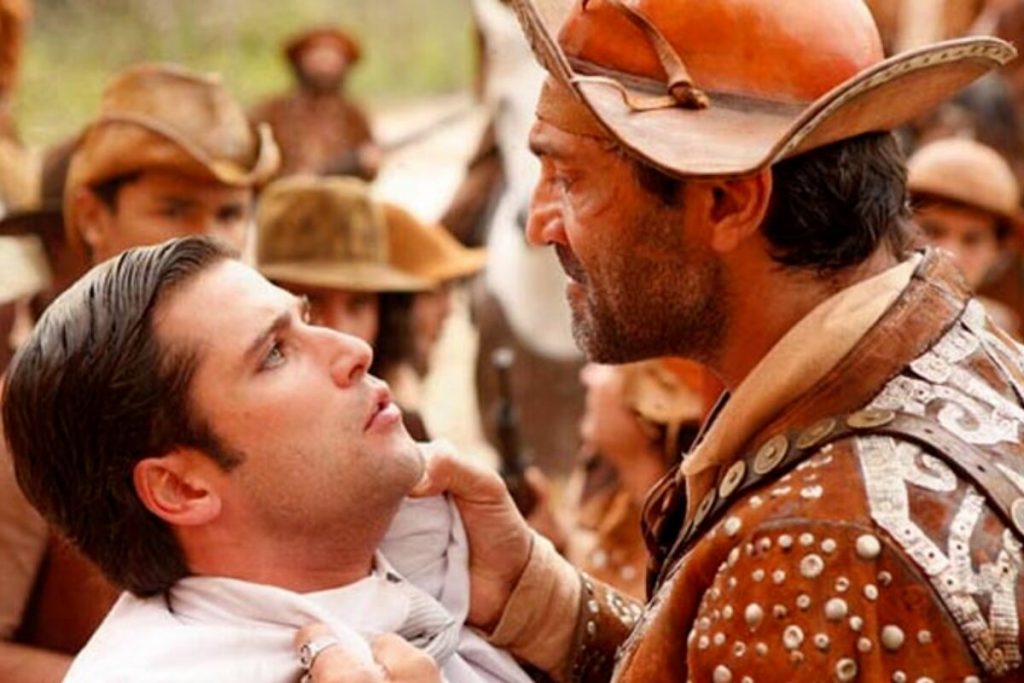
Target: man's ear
x=93, y=217
x=179, y=488
x=736, y=209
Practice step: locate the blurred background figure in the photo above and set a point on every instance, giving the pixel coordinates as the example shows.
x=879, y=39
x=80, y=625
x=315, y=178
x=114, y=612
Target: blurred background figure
x=14, y=16
x=411, y=323
x=326, y=239
x=44, y=220
x=907, y=24
x=368, y=269
x=638, y=421
x=514, y=306
x=967, y=201
x=170, y=154
x=320, y=130
x=25, y=274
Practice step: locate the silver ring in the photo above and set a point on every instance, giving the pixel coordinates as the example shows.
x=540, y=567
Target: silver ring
x=309, y=651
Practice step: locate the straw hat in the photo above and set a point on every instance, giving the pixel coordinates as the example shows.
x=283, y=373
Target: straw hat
x=428, y=251
x=671, y=392
x=164, y=117
x=329, y=35
x=723, y=88
x=966, y=172
x=327, y=232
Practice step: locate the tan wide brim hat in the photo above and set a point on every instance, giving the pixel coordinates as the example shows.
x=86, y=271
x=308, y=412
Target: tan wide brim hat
x=821, y=63
x=429, y=251
x=165, y=118
x=968, y=173
x=349, y=276
x=327, y=232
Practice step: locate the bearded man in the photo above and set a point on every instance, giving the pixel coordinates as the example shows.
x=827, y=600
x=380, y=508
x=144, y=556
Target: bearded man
x=719, y=182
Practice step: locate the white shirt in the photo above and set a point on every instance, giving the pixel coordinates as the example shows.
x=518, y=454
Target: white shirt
x=219, y=629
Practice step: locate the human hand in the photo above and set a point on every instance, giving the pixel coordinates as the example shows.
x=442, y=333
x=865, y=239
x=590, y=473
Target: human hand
x=395, y=660
x=499, y=539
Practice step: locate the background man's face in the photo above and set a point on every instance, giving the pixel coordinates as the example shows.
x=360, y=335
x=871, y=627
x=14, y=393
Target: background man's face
x=323, y=448
x=968, y=234
x=342, y=310
x=323, y=65
x=158, y=206
x=639, y=286
x=429, y=311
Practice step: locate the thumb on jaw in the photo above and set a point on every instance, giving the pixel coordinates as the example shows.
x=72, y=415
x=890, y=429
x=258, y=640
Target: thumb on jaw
x=445, y=472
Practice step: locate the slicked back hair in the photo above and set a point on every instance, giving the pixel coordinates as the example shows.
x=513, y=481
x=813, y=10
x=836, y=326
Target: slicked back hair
x=92, y=393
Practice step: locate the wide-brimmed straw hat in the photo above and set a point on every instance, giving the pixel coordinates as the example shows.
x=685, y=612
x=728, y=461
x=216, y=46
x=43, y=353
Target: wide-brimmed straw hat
x=327, y=232
x=723, y=88
x=429, y=251
x=164, y=117
x=329, y=35
x=968, y=173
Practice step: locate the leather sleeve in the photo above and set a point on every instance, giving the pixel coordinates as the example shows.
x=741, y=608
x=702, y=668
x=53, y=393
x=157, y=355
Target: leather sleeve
x=562, y=622
x=809, y=600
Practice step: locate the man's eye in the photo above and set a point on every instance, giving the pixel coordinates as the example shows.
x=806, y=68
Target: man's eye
x=274, y=357
x=174, y=212
x=564, y=183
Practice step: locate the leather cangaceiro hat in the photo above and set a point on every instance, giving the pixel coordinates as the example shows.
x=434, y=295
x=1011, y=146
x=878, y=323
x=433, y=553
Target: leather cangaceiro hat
x=165, y=117
x=725, y=88
x=968, y=173
x=429, y=251
x=328, y=232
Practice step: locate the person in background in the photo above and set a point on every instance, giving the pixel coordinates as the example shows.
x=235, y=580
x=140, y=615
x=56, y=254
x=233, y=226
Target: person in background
x=368, y=269
x=967, y=201
x=638, y=420
x=171, y=153
x=327, y=239
x=411, y=323
x=319, y=128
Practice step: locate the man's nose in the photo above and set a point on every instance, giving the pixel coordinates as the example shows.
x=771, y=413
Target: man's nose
x=349, y=357
x=544, y=225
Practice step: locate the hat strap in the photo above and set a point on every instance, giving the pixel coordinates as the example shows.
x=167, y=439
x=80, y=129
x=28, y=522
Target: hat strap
x=681, y=90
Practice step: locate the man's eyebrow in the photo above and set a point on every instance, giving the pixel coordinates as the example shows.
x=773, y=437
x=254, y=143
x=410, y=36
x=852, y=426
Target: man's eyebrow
x=177, y=201
x=541, y=147
x=280, y=322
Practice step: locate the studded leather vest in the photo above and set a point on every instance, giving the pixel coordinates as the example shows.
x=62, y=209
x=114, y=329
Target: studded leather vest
x=872, y=532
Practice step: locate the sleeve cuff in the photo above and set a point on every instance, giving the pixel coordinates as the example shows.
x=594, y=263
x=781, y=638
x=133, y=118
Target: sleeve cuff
x=540, y=618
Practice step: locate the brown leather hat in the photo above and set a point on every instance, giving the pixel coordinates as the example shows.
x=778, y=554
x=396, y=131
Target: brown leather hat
x=329, y=35
x=722, y=88
x=156, y=116
x=966, y=172
x=428, y=251
x=327, y=232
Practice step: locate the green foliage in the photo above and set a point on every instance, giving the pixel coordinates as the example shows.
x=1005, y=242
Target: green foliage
x=411, y=48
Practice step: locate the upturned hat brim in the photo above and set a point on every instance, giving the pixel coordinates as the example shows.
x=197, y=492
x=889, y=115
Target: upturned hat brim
x=352, y=276
x=738, y=136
